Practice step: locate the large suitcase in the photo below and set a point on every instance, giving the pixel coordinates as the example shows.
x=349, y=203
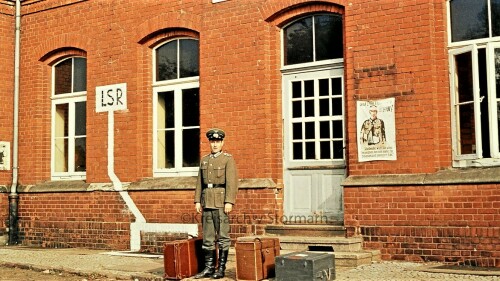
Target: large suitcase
x=305, y=266
x=255, y=257
x=183, y=258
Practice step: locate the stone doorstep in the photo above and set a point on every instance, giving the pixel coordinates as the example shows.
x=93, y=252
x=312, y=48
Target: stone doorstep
x=339, y=244
x=306, y=230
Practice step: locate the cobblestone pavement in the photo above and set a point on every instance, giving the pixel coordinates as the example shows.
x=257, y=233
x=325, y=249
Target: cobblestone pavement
x=102, y=265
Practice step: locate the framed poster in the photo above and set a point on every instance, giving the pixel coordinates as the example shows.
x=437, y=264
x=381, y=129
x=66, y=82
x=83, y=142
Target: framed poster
x=376, y=130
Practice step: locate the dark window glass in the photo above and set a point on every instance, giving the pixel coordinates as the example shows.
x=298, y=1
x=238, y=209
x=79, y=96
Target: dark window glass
x=80, y=118
x=189, y=58
x=80, y=77
x=309, y=108
x=337, y=129
x=309, y=88
x=324, y=129
x=336, y=87
x=166, y=61
x=323, y=87
x=296, y=89
x=191, y=150
x=63, y=76
x=169, y=149
x=310, y=130
x=338, y=150
x=297, y=109
x=324, y=107
x=299, y=42
x=190, y=107
x=328, y=36
x=325, y=150
x=465, y=107
x=166, y=100
x=297, y=131
x=336, y=106
x=469, y=19
x=310, y=150
x=80, y=154
x=297, y=151
x=328, y=39
x=495, y=17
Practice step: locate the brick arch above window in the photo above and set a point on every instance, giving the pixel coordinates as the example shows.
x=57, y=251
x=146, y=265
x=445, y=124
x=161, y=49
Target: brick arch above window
x=59, y=54
x=63, y=43
x=279, y=13
x=166, y=22
x=156, y=38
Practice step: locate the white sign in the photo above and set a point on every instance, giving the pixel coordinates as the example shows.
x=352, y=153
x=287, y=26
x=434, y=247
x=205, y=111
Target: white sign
x=111, y=97
x=4, y=155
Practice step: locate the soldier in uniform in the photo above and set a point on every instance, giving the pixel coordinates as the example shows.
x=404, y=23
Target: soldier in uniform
x=373, y=129
x=214, y=197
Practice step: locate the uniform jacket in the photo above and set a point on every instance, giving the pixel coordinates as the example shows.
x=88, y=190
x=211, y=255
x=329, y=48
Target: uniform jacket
x=220, y=170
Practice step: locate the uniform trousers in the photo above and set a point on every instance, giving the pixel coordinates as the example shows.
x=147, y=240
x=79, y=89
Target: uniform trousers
x=215, y=228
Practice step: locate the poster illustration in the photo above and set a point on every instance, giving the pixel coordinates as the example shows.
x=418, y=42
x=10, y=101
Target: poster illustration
x=4, y=155
x=376, y=130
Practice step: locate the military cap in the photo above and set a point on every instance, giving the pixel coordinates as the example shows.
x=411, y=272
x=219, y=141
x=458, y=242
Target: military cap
x=215, y=134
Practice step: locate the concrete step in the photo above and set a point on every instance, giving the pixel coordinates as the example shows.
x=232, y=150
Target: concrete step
x=306, y=230
x=335, y=244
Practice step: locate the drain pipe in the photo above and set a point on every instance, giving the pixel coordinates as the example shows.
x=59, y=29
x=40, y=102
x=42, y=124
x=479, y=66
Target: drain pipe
x=117, y=184
x=13, y=196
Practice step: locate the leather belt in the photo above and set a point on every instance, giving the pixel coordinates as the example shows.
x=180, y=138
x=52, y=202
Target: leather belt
x=211, y=185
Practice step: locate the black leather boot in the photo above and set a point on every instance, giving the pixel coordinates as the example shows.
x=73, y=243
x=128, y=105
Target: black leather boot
x=219, y=273
x=209, y=265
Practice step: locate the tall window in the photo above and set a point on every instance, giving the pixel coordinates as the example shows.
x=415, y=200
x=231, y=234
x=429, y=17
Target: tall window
x=475, y=81
x=314, y=95
x=69, y=132
x=176, y=108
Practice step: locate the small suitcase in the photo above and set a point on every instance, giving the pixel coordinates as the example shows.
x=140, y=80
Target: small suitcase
x=183, y=258
x=304, y=266
x=255, y=257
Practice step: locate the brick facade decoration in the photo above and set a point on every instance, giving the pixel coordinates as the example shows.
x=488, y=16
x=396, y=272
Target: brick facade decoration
x=424, y=206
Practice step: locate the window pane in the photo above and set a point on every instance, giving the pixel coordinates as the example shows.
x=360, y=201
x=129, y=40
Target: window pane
x=309, y=108
x=299, y=42
x=189, y=58
x=324, y=129
x=80, y=76
x=337, y=129
x=166, y=149
x=495, y=17
x=166, y=61
x=310, y=150
x=190, y=107
x=297, y=151
x=309, y=88
x=310, y=128
x=297, y=109
x=469, y=19
x=328, y=36
x=338, y=150
x=61, y=138
x=296, y=89
x=497, y=73
x=323, y=87
x=325, y=150
x=62, y=79
x=61, y=155
x=467, y=129
x=297, y=131
x=191, y=148
x=80, y=118
x=336, y=107
x=336, y=87
x=80, y=154
x=324, y=107
x=166, y=110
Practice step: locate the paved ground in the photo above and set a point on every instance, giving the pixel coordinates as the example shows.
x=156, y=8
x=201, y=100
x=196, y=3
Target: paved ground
x=19, y=263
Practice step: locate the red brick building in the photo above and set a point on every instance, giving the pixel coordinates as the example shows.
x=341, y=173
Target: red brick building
x=113, y=99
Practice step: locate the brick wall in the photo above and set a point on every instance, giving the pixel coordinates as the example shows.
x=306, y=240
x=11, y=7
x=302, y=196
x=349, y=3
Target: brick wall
x=454, y=223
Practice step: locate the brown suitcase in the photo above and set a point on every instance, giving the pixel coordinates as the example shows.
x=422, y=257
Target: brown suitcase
x=255, y=258
x=183, y=258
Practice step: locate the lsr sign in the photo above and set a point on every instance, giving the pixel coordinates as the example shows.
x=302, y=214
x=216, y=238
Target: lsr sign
x=111, y=97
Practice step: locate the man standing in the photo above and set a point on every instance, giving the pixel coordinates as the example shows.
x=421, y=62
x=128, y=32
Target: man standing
x=373, y=129
x=214, y=197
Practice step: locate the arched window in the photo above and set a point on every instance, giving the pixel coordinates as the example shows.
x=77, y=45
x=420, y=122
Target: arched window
x=177, y=108
x=313, y=38
x=69, y=116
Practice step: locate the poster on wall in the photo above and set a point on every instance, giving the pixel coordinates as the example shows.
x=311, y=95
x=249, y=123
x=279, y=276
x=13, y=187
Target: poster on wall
x=376, y=130
x=4, y=155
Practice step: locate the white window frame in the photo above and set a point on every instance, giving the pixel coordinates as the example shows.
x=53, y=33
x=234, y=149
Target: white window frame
x=175, y=85
x=71, y=99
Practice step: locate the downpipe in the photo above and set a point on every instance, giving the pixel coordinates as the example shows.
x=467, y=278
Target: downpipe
x=13, y=196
